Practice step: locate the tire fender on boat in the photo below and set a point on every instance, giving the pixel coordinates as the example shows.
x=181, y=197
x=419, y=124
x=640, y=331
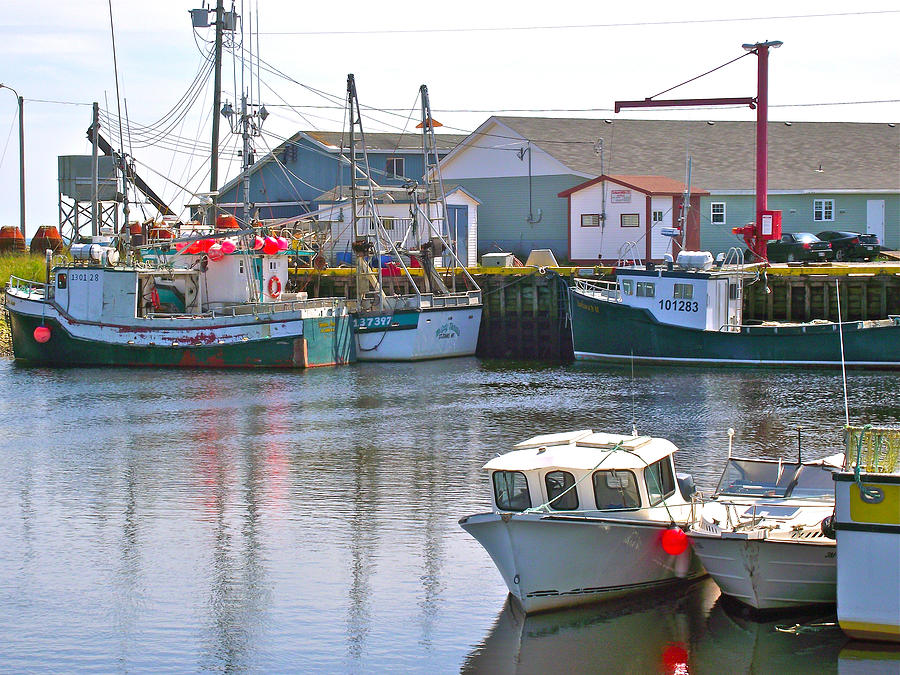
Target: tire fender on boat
x=274, y=287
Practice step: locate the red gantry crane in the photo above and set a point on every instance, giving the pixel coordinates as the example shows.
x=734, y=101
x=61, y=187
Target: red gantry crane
x=768, y=223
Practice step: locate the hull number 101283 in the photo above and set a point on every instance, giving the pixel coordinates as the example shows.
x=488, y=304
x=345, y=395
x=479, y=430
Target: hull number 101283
x=679, y=305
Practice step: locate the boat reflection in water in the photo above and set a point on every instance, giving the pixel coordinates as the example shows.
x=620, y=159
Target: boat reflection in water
x=694, y=631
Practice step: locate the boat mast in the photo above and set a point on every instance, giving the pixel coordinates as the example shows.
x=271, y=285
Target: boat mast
x=217, y=102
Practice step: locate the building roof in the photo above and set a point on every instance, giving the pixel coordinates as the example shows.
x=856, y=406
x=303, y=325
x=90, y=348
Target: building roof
x=379, y=142
x=375, y=142
x=651, y=185
x=851, y=155
x=398, y=194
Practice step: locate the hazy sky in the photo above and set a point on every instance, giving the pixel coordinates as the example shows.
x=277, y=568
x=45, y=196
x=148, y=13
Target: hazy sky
x=565, y=59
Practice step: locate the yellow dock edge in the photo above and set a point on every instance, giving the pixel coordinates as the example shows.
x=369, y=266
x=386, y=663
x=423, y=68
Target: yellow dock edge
x=780, y=269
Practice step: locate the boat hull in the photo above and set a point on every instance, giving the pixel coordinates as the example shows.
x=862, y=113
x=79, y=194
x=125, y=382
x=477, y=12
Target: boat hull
x=610, y=331
x=769, y=574
x=551, y=562
x=417, y=335
x=868, y=556
x=284, y=340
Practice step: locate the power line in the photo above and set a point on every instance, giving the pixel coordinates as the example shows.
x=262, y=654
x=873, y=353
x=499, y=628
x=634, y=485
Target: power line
x=495, y=29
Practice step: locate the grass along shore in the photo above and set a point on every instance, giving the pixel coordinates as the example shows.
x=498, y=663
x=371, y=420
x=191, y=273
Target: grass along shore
x=24, y=266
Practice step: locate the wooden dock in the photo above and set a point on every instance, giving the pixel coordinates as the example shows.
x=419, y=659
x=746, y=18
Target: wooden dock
x=526, y=308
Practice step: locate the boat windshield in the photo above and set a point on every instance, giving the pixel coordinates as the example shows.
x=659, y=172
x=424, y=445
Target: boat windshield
x=765, y=478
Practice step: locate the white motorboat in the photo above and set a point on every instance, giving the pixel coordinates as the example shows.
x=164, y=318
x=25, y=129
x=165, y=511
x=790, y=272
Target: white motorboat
x=581, y=517
x=867, y=520
x=761, y=536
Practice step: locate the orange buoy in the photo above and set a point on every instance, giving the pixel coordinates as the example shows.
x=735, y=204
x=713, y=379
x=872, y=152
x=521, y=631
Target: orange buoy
x=11, y=240
x=159, y=233
x=47, y=236
x=226, y=221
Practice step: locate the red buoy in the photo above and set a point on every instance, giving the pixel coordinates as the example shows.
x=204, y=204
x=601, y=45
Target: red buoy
x=674, y=541
x=41, y=334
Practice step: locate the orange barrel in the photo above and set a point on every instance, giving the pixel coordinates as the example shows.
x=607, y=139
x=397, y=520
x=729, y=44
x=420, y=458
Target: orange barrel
x=226, y=221
x=159, y=233
x=47, y=236
x=11, y=240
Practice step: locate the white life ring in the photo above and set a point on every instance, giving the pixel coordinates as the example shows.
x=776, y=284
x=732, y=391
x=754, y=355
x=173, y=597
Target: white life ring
x=274, y=287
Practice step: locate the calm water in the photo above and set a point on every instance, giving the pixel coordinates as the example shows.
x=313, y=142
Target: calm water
x=168, y=521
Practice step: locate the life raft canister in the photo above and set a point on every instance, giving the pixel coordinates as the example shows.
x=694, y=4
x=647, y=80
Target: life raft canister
x=274, y=287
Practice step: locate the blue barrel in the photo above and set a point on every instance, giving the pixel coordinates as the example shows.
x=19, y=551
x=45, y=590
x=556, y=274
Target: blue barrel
x=344, y=257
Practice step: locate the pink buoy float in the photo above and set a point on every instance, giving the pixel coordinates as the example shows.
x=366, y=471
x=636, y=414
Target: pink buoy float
x=41, y=334
x=258, y=243
x=282, y=243
x=228, y=246
x=215, y=252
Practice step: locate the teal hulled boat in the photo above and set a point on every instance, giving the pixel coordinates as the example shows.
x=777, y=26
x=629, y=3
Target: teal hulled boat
x=691, y=313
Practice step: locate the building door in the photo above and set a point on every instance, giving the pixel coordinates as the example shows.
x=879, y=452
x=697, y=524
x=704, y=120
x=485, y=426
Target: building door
x=459, y=231
x=875, y=218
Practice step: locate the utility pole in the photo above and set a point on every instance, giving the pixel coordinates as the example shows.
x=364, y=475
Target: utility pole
x=217, y=103
x=95, y=169
x=21, y=101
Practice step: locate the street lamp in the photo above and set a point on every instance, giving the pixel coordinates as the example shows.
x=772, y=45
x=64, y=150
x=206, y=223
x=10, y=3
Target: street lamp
x=21, y=159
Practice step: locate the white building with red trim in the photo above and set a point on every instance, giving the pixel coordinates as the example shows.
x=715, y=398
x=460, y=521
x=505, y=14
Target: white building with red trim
x=616, y=217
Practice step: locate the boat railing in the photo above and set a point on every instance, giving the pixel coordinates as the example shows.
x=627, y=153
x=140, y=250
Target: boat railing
x=598, y=288
x=28, y=287
x=256, y=309
x=466, y=299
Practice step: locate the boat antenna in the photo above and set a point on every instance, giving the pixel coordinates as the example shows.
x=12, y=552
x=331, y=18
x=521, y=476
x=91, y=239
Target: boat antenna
x=837, y=294
x=125, y=209
x=633, y=423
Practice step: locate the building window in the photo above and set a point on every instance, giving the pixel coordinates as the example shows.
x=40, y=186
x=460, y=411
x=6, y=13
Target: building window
x=616, y=490
x=388, y=223
x=717, y=213
x=394, y=166
x=683, y=291
x=590, y=220
x=823, y=209
x=630, y=220
x=646, y=289
x=511, y=491
x=657, y=216
x=561, y=491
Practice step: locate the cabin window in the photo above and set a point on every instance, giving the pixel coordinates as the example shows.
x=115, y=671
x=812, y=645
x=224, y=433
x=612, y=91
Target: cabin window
x=717, y=213
x=511, y=491
x=683, y=291
x=273, y=265
x=394, y=166
x=590, y=220
x=559, y=483
x=823, y=209
x=630, y=219
x=734, y=291
x=240, y=266
x=628, y=286
x=660, y=480
x=61, y=280
x=616, y=490
x=646, y=289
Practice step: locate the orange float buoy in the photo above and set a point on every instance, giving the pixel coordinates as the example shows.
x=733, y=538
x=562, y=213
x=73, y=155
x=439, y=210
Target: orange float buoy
x=11, y=240
x=215, y=252
x=226, y=221
x=41, y=334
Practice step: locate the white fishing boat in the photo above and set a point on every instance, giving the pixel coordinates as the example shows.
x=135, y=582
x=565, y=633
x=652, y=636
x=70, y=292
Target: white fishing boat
x=436, y=321
x=582, y=516
x=867, y=521
x=761, y=536
x=229, y=310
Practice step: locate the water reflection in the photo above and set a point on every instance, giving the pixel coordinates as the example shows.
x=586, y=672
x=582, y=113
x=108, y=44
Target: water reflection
x=689, y=632
x=272, y=522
